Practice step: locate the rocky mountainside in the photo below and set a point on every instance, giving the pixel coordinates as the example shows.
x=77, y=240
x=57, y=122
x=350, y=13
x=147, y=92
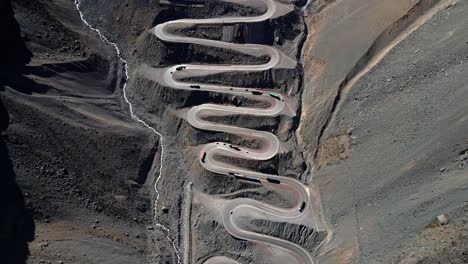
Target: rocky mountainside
x=387, y=107
x=379, y=135
x=79, y=160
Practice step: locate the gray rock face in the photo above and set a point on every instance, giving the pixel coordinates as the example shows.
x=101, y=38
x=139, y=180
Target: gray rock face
x=299, y=234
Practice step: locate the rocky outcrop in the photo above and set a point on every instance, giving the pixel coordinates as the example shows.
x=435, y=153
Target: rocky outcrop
x=299, y=234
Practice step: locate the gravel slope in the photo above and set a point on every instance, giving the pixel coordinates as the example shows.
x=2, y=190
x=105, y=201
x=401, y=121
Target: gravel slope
x=407, y=125
x=70, y=151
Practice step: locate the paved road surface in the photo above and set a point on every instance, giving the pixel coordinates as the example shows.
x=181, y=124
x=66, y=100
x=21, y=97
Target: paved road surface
x=270, y=144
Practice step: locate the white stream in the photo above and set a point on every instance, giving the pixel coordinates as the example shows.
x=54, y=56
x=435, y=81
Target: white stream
x=136, y=118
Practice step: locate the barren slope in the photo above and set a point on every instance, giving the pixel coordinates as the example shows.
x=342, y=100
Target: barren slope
x=392, y=157
x=80, y=162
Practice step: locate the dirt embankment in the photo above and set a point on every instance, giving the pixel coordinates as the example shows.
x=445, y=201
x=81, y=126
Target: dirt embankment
x=339, y=45
x=386, y=146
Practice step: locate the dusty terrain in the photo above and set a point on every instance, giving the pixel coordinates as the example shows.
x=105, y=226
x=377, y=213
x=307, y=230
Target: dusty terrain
x=379, y=135
x=389, y=159
x=74, y=153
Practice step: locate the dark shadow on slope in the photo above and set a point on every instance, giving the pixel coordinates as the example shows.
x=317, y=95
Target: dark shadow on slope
x=14, y=54
x=20, y=83
x=16, y=223
x=13, y=51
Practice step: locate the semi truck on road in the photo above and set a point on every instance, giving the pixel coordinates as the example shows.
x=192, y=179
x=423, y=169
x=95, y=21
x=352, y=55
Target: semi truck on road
x=249, y=178
x=275, y=95
x=256, y=92
x=234, y=147
x=275, y=181
x=303, y=205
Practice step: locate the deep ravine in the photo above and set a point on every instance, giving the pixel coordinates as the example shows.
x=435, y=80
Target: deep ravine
x=139, y=120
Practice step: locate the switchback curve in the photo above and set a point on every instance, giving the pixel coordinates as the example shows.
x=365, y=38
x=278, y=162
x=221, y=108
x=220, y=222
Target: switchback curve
x=270, y=145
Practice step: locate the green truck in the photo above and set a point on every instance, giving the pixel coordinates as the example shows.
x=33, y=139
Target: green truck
x=275, y=95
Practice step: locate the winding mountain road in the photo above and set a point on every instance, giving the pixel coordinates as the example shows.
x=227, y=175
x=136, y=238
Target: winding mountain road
x=270, y=145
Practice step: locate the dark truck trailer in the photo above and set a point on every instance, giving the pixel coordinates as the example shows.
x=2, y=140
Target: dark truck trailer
x=303, y=205
x=270, y=180
x=253, y=179
x=183, y=2
x=234, y=147
x=249, y=178
x=256, y=92
x=203, y=157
